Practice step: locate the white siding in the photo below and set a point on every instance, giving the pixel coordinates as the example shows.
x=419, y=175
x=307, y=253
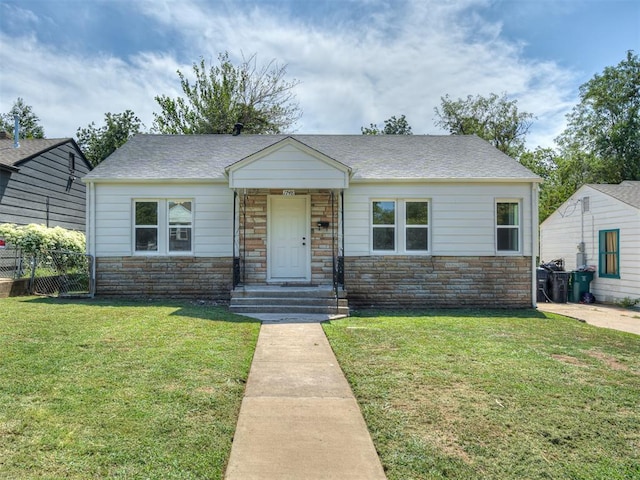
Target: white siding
x=212, y=223
x=288, y=167
x=561, y=233
x=462, y=218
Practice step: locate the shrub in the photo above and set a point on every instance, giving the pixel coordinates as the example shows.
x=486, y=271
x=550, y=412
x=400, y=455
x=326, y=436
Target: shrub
x=34, y=238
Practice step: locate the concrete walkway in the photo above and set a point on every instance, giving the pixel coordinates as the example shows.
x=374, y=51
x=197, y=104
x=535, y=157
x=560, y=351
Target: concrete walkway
x=605, y=316
x=299, y=419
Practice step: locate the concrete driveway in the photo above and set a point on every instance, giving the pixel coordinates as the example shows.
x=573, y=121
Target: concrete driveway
x=605, y=316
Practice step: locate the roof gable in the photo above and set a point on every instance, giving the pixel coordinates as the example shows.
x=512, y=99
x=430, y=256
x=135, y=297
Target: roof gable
x=33, y=147
x=626, y=192
x=288, y=163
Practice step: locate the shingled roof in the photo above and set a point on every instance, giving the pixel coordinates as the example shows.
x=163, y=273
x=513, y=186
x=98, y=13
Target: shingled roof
x=371, y=157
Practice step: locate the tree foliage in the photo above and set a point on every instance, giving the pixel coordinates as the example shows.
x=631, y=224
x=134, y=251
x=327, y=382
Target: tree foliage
x=29, y=122
x=259, y=97
x=494, y=118
x=97, y=143
x=392, y=126
x=604, y=128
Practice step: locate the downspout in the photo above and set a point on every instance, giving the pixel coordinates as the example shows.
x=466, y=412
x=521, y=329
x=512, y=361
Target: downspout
x=534, y=244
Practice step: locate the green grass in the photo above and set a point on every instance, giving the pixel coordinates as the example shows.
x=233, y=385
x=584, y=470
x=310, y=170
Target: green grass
x=97, y=389
x=494, y=395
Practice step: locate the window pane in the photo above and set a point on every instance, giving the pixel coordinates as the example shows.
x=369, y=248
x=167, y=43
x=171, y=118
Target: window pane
x=180, y=239
x=147, y=239
x=507, y=214
x=179, y=213
x=384, y=238
x=610, y=251
x=384, y=213
x=417, y=239
x=417, y=213
x=508, y=239
x=146, y=213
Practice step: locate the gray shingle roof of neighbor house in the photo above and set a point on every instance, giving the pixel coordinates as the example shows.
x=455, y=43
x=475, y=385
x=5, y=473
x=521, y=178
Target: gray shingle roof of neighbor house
x=627, y=191
x=371, y=157
x=29, y=148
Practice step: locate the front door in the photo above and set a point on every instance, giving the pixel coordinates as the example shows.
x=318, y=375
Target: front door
x=289, y=240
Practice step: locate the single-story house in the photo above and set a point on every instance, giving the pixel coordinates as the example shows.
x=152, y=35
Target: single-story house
x=39, y=182
x=599, y=226
x=393, y=220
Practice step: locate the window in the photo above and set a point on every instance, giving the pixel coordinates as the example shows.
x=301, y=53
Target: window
x=163, y=226
x=417, y=226
x=400, y=226
x=609, y=249
x=146, y=229
x=72, y=162
x=384, y=225
x=508, y=226
x=179, y=226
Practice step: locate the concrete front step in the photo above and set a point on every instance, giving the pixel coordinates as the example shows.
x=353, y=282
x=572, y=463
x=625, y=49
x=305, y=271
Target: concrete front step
x=288, y=300
x=321, y=302
x=289, y=309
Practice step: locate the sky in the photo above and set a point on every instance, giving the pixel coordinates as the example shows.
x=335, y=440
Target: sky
x=358, y=61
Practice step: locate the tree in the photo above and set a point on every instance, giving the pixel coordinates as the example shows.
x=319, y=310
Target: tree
x=221, y=96
x=494, y=118
x=97, y=143
x=392, y=126
x=604, y=128
x=29, y=122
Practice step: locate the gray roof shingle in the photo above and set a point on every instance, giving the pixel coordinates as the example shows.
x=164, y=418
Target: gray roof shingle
x=371, y=157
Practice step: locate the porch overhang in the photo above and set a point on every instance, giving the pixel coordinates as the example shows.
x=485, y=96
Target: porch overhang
x=288, y=164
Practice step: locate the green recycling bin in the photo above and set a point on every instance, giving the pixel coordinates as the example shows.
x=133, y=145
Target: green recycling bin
x=580, y=284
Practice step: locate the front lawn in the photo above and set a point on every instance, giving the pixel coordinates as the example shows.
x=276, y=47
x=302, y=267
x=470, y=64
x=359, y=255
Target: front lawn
x=106, y=389
x=494, y=395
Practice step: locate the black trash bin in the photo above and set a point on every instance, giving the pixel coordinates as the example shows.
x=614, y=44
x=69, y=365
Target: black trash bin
x=542, y=278
x=559, y=283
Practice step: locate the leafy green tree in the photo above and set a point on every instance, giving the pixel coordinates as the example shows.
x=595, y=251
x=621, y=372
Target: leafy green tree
x=603, y=130
x=392, y=126
x=97, y=143
x=29, y=122
x=221, y=96
x=494, y=118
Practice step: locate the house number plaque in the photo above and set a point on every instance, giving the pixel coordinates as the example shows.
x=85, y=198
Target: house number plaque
x=288, y=193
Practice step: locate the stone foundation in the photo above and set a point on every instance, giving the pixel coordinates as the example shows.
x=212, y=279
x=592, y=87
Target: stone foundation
x=424, y=282
x=165, y=277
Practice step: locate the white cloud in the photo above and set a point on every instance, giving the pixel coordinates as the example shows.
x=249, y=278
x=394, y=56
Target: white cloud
x=399, y=60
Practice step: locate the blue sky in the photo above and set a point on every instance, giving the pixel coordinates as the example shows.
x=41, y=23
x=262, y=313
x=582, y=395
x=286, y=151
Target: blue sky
x=358, y=61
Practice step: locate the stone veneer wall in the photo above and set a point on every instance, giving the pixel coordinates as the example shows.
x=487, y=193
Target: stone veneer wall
x=419, y=282
x=165, y=277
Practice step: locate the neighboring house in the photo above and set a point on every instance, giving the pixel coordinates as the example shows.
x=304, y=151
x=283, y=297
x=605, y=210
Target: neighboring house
x=599, y=226
x=40, y=182
x=396, y=220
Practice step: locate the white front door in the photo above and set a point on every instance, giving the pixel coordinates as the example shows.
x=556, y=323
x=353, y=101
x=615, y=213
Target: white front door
x=289, y=240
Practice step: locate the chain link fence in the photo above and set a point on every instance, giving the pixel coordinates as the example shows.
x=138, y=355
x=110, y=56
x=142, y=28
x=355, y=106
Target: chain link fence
x=54, y=273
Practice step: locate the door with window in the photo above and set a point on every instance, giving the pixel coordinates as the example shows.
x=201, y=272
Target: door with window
x=289, y=238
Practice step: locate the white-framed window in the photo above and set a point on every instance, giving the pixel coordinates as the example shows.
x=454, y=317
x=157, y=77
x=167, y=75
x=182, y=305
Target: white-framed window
x=508, y=226
x=400, y=226
x=163, y=226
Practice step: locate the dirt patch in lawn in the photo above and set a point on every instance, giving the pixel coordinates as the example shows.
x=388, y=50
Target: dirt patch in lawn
x=569, y=359
x=608, y=360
